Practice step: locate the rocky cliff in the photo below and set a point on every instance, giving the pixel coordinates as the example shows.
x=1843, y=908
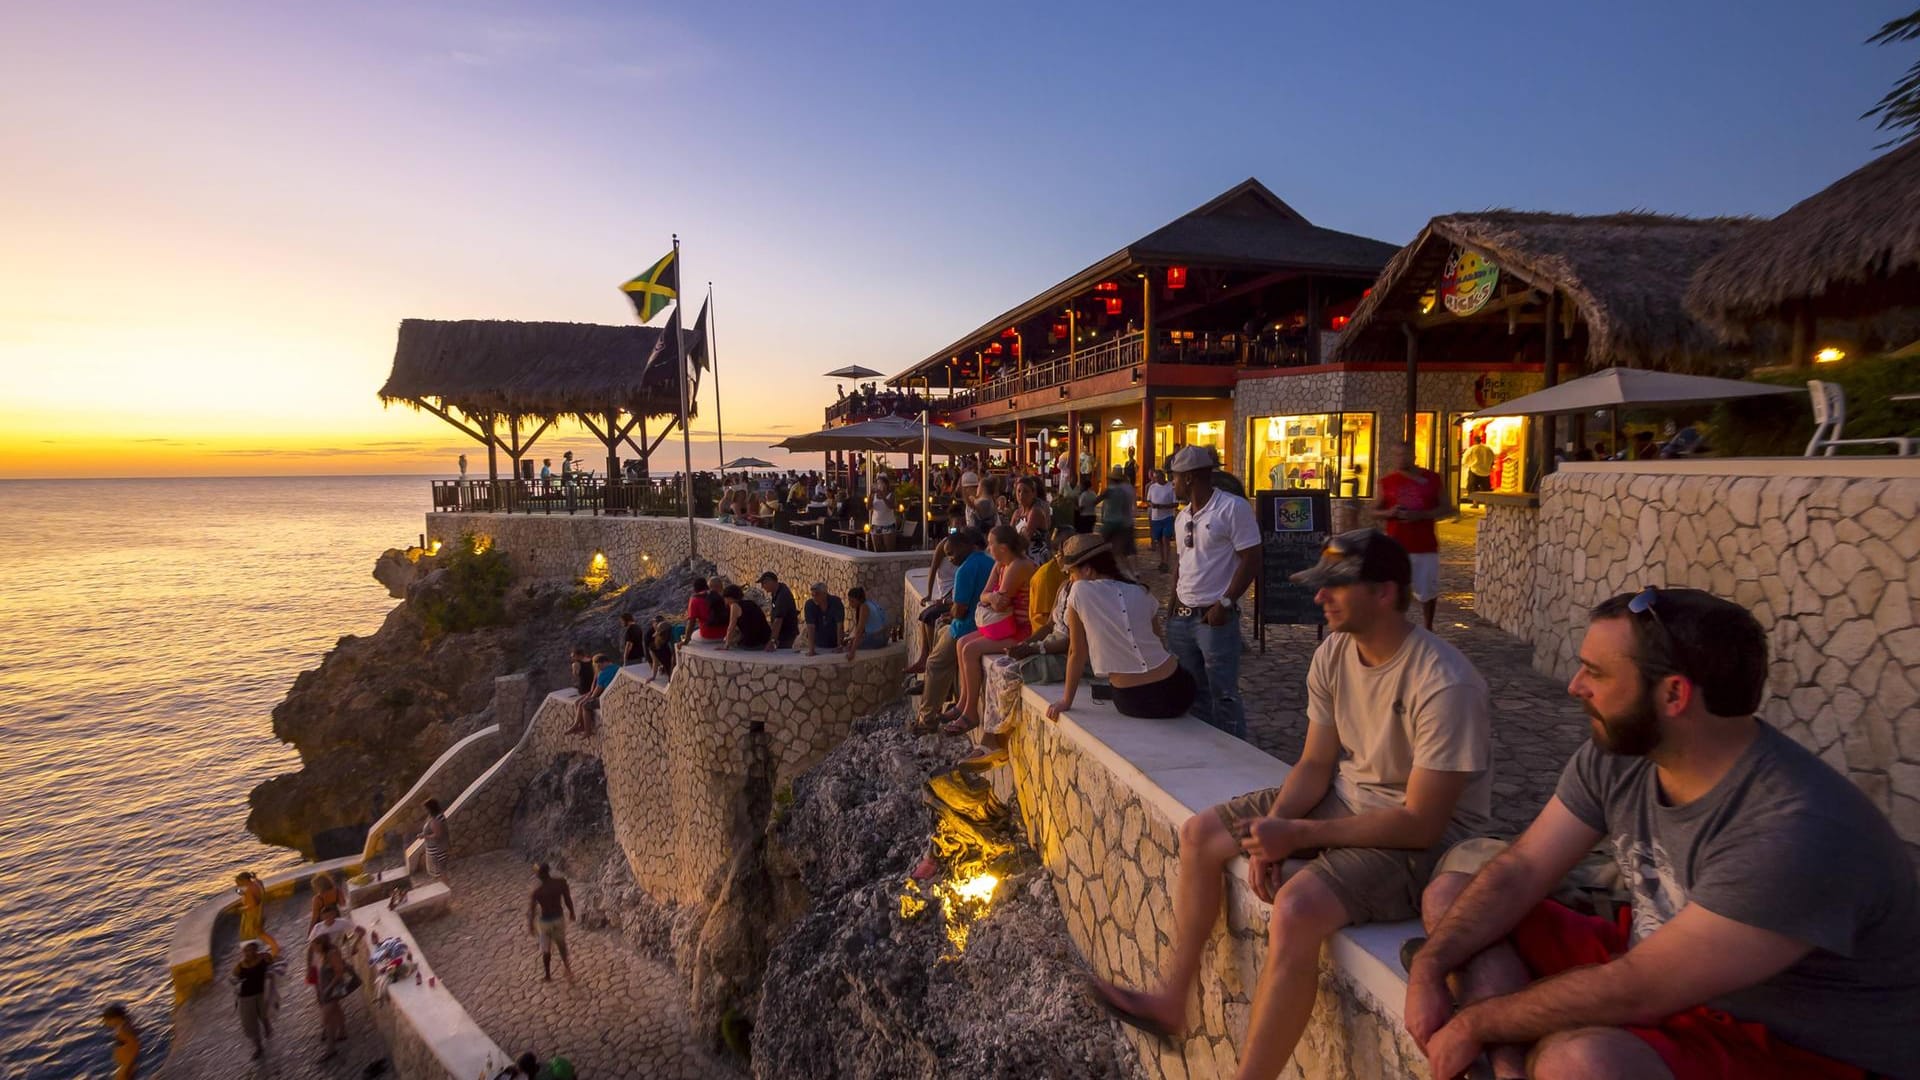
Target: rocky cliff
x=379, y=709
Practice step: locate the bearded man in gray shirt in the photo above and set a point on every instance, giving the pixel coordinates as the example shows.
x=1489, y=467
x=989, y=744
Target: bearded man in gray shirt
x=1775, y=921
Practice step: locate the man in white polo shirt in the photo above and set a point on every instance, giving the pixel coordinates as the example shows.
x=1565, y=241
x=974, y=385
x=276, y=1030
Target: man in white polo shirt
x=1217, y=552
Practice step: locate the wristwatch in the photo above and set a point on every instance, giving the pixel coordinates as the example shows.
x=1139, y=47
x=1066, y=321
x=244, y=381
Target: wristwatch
x=1232, y=605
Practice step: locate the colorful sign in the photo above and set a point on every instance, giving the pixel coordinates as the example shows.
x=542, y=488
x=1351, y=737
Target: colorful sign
x=1467, y=282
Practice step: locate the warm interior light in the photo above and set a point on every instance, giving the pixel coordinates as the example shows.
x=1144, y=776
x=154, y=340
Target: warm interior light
x=1829, y=355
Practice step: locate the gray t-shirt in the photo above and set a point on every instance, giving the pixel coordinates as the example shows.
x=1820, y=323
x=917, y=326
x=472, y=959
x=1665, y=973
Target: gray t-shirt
x=1786, y=844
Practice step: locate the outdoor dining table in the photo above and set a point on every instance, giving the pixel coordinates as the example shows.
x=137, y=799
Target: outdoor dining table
x=806, y=526
x=852, y=537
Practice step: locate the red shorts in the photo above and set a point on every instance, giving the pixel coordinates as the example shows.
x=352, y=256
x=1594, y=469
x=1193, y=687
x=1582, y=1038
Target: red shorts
x=1698, y=1044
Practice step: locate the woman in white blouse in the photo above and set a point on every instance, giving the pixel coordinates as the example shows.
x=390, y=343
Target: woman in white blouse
x=1110, y=624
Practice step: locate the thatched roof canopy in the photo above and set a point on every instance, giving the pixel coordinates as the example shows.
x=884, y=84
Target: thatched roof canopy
x=1623, y=275
x=530, y=369
x=1850, y=251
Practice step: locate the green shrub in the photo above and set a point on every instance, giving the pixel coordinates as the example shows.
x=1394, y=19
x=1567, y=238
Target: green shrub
x=1781, y=425
x=474, y=591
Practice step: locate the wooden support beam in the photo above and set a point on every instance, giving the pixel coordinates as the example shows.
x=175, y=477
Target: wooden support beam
x=658, y=439
x=448, y=417
x=1494, y=307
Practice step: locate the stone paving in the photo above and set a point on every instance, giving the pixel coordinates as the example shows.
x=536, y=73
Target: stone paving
x=1536, y=725
x=624, y=1017
x=207, y=1041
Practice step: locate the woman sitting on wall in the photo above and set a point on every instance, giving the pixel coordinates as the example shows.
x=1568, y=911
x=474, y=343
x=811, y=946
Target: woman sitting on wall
x=1110, y=623
x=1003, y=621
x=867, y=623
x=1032, y=519
x=747, y=626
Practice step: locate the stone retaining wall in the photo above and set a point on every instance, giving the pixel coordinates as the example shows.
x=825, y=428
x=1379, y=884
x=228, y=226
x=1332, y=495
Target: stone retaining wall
x=429, y=1036
x=1102, y=797
x=1824, y=551
x=561, y=548
x=450, y=774
x=678, y=755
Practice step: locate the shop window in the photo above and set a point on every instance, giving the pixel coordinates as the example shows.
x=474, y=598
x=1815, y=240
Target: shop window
x=1209, y=433
x=1490, y=455
x=1423, y=446
x=1163, y=443
x=1123, y=446
x=1330, y=452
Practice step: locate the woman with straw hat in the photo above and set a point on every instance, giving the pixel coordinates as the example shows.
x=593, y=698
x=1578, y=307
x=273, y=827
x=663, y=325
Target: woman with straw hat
x=1110, y=624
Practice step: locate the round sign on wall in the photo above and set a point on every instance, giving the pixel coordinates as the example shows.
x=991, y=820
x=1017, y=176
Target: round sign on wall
x=1467, y=282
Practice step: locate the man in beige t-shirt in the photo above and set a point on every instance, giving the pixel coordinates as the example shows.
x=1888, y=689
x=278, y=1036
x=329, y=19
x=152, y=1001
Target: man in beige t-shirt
x=1396, y=769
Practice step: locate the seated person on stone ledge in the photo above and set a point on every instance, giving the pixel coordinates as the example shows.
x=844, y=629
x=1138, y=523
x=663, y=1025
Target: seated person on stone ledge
x=1396, y=768
x=1046, y=595
x=587, y=709
x=822, y=617
x=939, y=587
x=866, y=623
x=943, y=663
x=1774, y=929
x=706, y=612
x=582, y=671
x=1109, y=619
x=1000, y=623
x=660, y=648
x=746, y=624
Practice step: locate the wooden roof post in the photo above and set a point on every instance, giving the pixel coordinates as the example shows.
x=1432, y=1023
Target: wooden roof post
x=1413, y=378
x=1550, y=367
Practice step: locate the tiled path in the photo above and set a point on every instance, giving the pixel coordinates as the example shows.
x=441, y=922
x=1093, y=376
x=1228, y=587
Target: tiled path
x=1536, y=726
x=622, y=1018
x=207, y=1042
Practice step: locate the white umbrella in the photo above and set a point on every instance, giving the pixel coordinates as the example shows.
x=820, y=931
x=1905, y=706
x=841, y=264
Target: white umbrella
x=1616, y=387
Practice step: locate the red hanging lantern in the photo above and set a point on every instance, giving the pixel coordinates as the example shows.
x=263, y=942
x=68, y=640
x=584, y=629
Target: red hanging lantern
x=1059, y=330
x=1339, y=322
x=1010, y=332
x=1016, y=348
x=1107, y=286
x=993, y=349
x=1176, y=277
x=1113, y=305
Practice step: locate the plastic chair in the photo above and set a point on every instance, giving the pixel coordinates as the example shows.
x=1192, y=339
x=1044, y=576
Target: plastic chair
x=1830, y=415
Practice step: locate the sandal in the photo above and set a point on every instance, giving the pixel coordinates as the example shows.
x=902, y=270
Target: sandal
x=959, y=725
x=1124, y=1006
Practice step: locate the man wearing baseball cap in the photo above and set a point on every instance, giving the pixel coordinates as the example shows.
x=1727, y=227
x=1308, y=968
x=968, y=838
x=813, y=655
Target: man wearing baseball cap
x=1396, y=768
x=1216, y=553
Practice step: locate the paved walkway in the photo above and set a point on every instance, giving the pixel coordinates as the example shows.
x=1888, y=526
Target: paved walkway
x=1536, y=725
x=206, y=1037
x=623, y=1017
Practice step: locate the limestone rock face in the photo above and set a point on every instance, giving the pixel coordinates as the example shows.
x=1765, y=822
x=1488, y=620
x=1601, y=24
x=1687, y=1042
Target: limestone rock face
x=854, y=990
x=398, y=568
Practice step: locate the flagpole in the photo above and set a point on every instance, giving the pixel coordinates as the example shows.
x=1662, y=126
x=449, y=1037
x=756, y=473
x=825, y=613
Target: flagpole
x=686, y=405
x=713, y=359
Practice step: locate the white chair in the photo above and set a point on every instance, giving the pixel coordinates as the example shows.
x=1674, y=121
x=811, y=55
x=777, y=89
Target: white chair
x=1830, y=415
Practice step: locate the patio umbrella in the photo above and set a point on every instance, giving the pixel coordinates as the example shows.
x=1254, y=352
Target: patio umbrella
x=895, y=434
x=1616, y=387
x=749, y=463
x=853, y=371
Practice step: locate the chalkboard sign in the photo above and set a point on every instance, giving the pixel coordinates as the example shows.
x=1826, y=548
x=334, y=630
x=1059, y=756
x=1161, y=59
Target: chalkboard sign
x=1294, y=528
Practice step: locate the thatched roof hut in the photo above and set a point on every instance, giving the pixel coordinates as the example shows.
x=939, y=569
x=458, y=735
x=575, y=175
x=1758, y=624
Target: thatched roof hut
x=1851, y=251
x=1617, y=281
x=538, y=370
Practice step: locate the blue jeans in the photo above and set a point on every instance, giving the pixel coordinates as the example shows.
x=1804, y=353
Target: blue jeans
x=1211, y=654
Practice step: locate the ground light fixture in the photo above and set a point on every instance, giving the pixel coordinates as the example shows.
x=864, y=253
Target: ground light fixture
x=1830, y=355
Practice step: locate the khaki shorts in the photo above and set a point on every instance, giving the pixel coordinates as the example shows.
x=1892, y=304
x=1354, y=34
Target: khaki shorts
x=554, y=930
x=1373, y=884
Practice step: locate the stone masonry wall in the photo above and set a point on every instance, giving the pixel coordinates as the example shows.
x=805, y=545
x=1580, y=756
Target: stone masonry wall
x=1505, y=592
x=1830, y=565
x=560, y=548
x=1113, y=852
x=678, y=755
x=450, y=774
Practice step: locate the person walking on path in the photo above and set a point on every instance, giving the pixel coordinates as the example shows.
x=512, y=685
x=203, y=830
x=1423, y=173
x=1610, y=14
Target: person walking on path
x=548, y=909
x=255, y=996
x=126, y=1041
x=1411, y=500
x=1217, y=553
x=1397, y=766
x=327, y=969
x=1118, y=505
x=326, y=894
x=438, y=839
x=1161, y=504
x=253, y=910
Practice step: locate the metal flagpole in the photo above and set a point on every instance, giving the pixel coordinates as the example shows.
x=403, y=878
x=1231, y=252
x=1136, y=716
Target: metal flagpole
x=686, y=405
x=713, y=361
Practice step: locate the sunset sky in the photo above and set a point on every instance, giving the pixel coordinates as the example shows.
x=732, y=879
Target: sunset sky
x=213, y=216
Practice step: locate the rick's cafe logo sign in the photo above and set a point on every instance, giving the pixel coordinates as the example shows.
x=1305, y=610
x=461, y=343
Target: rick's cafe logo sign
x=1467, y=283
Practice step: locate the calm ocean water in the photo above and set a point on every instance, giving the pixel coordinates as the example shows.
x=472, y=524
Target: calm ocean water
x=147, y=629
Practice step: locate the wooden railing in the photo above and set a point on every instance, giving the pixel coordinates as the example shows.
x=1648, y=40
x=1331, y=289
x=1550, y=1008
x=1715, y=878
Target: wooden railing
x=652, y=498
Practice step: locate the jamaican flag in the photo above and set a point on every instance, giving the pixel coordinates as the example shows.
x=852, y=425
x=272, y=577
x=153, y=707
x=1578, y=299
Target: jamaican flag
x=652, y=291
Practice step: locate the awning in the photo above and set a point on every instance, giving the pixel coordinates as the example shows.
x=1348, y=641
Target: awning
x=749, y=463
x=1614, y=387
x=852, y=371
x=892, y=434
